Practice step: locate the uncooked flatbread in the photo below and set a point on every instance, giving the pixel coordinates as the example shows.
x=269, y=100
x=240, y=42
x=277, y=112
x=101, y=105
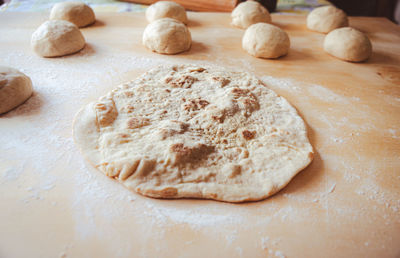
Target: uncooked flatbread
x=195, y=132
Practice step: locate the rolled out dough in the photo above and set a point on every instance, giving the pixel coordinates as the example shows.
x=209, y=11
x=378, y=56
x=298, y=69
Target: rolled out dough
x=195, y=132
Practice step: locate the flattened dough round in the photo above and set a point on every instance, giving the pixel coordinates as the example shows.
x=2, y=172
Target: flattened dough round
x=195, y=132
x=166, y=9
x=57, y=38
x=326, y=18
x=15, y=88
x=76, y=12
x=266, y=41
x=248, y=13
x=348, y=44
x=167, y=36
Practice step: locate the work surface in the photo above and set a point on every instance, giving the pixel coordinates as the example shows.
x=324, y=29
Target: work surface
x=345, y=204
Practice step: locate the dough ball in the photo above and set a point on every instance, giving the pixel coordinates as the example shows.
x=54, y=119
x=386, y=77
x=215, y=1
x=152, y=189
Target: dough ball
x=348, y=44
x=78, y=13
x=57, y=38
x=326, y=18
x=248, y=13
x=15, y=88
x=166, y=9
x=167, y=36
x=266, y=41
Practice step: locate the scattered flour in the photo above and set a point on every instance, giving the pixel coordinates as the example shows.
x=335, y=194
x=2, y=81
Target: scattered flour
x=270, y=246
x=394, y=133
x=196, y=217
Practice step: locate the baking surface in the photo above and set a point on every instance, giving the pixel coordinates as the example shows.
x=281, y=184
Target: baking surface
x=346, y=203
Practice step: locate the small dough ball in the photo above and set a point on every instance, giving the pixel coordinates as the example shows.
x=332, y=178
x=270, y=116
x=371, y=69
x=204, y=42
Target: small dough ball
x=248, y=13
x=78, y=13
x=167, y=36
x=57, y=38
x=326, y=18
x=166, y=9
x=348, y=44
x=15, y=88
x=266, y=41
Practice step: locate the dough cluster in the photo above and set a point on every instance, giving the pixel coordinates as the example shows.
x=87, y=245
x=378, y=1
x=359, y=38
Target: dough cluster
x=248, y=13
x=167, y=32
x=348, y=44
x=341, y=41
x=326, y=18
x=260, y=39
x=57, y=38
x=266, y=41
x=78, y=13
x=166, y=9
x=15, y=88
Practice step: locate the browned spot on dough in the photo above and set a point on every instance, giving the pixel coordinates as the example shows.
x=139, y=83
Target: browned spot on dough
x=211, y=195
x=185, y=154
x=100, y=106
x=106, y=113
x=169, y=192
x=137, y=122
x=222, y=80
x=248, y=135
x=199, y=70
x=248, y=99
x=129, y=108
x=181, y=149
x=250, y=102
x=239, y=92
x=195, y=104
x=218, y=118
x=128, y=94
x=184, y=81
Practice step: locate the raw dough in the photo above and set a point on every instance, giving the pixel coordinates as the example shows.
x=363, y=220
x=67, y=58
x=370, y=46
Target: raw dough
x=167, y=36
x=78, y=13
x=198, y=132
x=326, y=18
x=57, y=38
x=166, y=9
x=248, y=13
x=266, y=41
x=348, y=44
x=15, y=88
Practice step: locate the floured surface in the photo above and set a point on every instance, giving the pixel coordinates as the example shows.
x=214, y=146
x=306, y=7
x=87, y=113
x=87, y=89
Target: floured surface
x=195, y=132
x=347, y=199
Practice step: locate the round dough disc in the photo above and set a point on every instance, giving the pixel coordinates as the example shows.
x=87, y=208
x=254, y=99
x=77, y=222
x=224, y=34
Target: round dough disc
x=348, y=44
x=78, y=13
x=195, y=132
x=326, y=18
x=248, y=13
x=166, y=9
x=266, y=41
x=57, y=38
x=167, y=36
x=15, y=88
